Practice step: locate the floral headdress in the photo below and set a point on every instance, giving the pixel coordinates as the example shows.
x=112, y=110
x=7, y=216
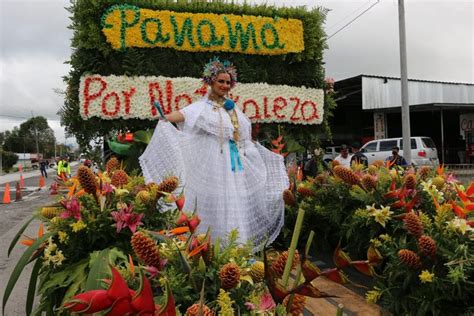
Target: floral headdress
x=214, y=66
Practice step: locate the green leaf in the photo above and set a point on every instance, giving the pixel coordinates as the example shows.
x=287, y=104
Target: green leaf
x=20, y=265
x=118, y=148
x=18, y=234
x=30, y=296
x=99, y=269
x=143, y=136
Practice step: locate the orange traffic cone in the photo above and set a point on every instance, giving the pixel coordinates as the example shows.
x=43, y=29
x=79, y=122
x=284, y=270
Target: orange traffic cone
x=22, y=182
x=41, y=184
x=17, y=192
x=6, y=195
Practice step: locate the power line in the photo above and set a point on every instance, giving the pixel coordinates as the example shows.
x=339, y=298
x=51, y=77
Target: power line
x=348, y=15
x=351, y=21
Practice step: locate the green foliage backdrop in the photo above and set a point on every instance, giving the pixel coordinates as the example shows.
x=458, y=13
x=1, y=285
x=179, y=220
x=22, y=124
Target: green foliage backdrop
x=92, y=54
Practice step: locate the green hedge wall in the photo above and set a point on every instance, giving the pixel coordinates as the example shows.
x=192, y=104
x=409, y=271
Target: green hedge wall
x=92, y=54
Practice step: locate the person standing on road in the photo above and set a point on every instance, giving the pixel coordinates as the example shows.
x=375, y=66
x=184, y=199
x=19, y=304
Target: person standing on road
x=358, y=156
x=395, y=159
x=344, y=158
x=43, y=164
x=64, y=168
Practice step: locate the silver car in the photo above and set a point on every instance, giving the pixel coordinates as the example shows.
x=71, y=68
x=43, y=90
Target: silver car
x=423, y=150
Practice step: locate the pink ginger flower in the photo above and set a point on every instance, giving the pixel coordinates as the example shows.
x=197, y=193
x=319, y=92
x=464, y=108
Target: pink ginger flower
x=73, y=208
x=127, y=218
x=266, y=303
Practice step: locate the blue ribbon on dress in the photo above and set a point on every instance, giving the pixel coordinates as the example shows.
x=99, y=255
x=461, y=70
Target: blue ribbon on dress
x=234, y=156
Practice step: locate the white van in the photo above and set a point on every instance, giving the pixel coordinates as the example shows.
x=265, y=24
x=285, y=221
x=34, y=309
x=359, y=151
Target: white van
x=423, y=150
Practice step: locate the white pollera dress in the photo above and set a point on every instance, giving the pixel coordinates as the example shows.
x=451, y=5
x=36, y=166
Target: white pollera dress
x=241, y=190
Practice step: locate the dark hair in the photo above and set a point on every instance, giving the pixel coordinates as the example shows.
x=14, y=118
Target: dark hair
x=344, y=147
x=396, y=148
x=355, y=145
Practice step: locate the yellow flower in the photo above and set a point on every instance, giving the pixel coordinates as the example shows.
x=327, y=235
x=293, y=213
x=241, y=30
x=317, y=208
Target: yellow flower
x=373, y=296
x=63, y=237
x=382, y=215
x=371, y=208
x=55, y=220
x=376, y=242
x=78, y=226
x=225, y=303
x=57, y=259
x=459, y=225
x=120, y=192
x=426, y=276
x=385, y=238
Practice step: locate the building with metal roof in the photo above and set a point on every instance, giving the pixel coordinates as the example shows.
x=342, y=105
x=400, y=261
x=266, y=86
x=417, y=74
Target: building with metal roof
x=369, y=107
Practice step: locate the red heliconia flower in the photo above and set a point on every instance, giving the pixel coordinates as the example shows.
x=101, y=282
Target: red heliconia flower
x=118, y=288
x=182, y=219
x=194, y=223
x=142, y=301
x=340, y=258
x=335, y=275
x=363, y=266
x=180, y=202
x=89, y=302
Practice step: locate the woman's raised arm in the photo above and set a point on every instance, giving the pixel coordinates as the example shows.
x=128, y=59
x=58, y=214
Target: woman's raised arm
x=175, y=117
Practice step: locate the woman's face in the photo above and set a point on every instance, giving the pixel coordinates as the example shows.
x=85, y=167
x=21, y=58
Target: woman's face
x=221, y=85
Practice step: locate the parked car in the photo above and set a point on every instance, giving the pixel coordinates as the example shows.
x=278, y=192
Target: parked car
x=423, y=150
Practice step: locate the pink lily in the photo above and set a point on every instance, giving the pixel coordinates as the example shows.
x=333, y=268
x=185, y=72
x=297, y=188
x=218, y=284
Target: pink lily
x=73, y=208
x=127, y=218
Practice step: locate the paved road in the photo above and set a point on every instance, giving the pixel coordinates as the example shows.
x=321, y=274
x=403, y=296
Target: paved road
x=14, y=215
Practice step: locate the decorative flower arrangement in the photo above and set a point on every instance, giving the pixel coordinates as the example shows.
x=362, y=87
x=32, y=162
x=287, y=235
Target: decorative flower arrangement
x=108, y=249
x=420, y=221
x=130, y=26
x=123, y=97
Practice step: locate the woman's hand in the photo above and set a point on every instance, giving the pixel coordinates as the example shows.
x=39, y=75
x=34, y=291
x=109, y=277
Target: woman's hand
x=175, y=117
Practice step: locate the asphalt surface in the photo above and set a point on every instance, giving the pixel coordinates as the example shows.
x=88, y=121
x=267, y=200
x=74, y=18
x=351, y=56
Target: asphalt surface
x=13, y=217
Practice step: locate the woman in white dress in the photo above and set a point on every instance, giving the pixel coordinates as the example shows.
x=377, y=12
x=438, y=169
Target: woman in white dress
x=236, y=183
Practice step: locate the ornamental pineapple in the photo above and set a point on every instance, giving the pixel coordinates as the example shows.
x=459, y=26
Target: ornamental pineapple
x=346, y=174
x=424, y=172
x=51, y=211
x=372, y=170
x=87, y=179
x=320, y=179
x=289, y=198
x=229, y=275
x=257, y=271
x=119, y=178
x=305, y=190
x=194, y=310
x=169, y=184
x=335, y=163
x=378, y=163
x=409, y=258
x=146, y=249
x=278, y=265
x=143, y=196
x=297, y=305
x=438, y=182
x=112, y=165
x=427, y=246
x=369, y=182
x=413, y=224
x=410, y=181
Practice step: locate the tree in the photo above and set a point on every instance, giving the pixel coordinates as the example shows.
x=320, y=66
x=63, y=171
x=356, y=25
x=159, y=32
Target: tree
x=8, y=160
x=23, y=139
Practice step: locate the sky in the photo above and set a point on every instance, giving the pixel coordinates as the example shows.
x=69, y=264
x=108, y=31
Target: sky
x=35, y=44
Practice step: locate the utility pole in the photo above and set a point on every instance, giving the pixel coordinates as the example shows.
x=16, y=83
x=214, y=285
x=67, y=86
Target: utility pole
x=406, y=133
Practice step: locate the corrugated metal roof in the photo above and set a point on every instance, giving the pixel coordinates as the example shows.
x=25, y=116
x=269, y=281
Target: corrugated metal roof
x=385, y=92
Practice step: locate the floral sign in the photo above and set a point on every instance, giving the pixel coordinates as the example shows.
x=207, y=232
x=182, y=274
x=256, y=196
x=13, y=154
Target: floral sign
x=130, y=26
x=122, y=97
